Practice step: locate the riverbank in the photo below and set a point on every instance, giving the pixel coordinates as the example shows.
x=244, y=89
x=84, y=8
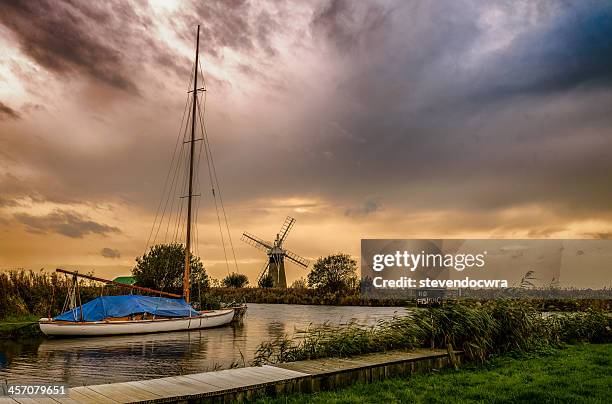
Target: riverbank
x=275, y=334
x=214, y=296
x=492, y=329
x=20, y=327
x=578, y=373
x=40, y=294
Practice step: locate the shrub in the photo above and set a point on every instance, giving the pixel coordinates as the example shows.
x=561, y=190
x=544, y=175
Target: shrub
x=589, y=326
x=235, y=280
x=265, y=281
x=163, y=266
x=299, y=284
x=334, y=273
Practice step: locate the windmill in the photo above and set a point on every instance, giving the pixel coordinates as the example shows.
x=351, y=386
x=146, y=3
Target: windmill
x=275, y=267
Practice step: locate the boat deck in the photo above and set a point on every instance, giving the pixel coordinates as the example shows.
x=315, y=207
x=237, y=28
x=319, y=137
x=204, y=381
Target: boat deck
x=250, y=382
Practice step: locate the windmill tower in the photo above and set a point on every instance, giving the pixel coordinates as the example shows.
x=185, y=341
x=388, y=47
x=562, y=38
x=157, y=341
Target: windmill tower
x=275, y=267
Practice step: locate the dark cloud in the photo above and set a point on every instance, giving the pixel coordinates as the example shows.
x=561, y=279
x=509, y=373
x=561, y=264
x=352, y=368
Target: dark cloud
x=545, y=232
x=60, y=37
x=237, y=24
x=575, y=49
x=32, y=107
x=64, y=222
x=115, y=42
x=368, y=207
x=266, y=27
x=414, y=108
x=445, y=124
x=4, y=202
x=601, y=236
x=108, y=43
x=7, y=113
x=110, y=253
x=349, y=25
x=65, y=177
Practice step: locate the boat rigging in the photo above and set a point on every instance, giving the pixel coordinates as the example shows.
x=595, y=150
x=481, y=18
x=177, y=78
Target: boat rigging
x=133, y=314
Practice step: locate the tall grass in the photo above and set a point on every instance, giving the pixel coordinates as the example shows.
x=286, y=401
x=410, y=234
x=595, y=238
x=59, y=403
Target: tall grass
x=343, y=341
x=29, y=293
x=590, y=326
x=494, y=328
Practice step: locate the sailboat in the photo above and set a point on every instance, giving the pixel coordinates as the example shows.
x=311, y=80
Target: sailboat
x=137, y=314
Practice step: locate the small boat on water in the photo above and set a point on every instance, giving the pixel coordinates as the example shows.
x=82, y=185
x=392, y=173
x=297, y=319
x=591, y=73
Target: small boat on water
x=136, y=314
x=132, y=314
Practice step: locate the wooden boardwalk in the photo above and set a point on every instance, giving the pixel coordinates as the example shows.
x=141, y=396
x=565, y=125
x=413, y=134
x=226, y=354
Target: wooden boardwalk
x=246, y=383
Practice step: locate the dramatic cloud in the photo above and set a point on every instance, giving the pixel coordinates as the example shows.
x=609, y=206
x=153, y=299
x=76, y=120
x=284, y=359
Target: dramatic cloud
x=57, y=36
x=110, y=253
x=368, y=207
x=573, y=50
x=602, y=236
x=459, y=117
x=349, y=25
x=103, y=42
x=239, y=26
x=69, y=224
x=7, y=112
x=449, y=114
x=7, y=202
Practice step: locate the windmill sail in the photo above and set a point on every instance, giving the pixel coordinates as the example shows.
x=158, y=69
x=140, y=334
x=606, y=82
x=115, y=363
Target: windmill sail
x=297, y=259
x=286, y=228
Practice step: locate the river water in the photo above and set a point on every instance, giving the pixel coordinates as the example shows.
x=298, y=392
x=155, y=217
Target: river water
x=99, y=360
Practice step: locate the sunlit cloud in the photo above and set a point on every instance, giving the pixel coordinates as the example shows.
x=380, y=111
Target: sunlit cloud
x=359, y=119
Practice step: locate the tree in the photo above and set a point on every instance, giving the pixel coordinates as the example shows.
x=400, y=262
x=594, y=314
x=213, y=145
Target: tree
x=265, y=281
x=299, y=284
x=235, y=280
x=163, y=266
x=334, y=273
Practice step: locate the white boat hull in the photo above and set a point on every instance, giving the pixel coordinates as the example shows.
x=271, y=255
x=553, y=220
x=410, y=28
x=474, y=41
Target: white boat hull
x=209, y=319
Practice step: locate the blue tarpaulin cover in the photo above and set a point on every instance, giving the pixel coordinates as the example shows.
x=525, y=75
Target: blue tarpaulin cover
x=122, y=306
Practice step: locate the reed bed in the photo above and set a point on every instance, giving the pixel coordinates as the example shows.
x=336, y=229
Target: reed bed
x=307, y=296
x=494, y=328
x=30, y=293
x=40, y=293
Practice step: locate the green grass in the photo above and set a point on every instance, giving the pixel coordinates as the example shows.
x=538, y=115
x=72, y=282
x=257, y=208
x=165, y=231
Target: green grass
x=17, y=327
x=577, y=374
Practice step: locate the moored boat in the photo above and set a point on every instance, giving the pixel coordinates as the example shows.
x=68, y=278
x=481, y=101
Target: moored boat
x=135, y=314
x=132, y=314
x=215, y=318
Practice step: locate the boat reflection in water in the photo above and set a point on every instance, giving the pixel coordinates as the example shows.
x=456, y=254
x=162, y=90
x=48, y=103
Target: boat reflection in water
x=138, y=356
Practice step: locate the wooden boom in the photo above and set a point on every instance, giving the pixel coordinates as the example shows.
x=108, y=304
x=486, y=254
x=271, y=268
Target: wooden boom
x=123, y=285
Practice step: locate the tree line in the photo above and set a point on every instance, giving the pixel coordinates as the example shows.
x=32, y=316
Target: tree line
x=162, y=268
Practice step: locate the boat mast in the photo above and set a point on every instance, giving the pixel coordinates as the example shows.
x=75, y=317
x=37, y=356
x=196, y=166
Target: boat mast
x=190, y=196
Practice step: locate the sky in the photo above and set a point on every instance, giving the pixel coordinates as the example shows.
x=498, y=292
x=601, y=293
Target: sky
x=360, y=119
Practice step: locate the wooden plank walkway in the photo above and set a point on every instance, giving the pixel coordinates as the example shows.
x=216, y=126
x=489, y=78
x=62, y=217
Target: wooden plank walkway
x=249, y=382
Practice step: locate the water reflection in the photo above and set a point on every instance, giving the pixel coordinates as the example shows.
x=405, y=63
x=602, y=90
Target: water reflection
x=123, y=358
